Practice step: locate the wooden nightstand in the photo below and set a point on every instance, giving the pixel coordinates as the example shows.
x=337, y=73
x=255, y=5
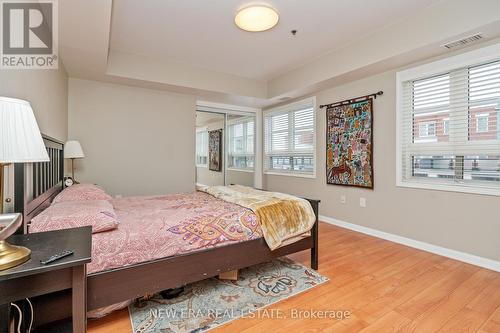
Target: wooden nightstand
x=32, y=278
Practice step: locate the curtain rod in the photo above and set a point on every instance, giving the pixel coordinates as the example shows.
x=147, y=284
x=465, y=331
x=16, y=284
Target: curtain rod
x=348, y=101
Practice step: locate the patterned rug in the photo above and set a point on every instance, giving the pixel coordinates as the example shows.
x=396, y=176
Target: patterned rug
x=210, y=303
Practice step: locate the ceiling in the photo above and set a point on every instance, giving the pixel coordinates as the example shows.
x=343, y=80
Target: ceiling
x=202, y=33
x=193, y=46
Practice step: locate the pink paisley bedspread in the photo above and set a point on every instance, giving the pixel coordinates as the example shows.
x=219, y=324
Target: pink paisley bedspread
x=161, y=226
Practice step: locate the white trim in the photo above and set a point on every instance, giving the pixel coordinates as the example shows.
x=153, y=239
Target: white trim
x=241, y=170
x=439, y=250
x=258, y=150
x=450, y=188
x=226, y=107
x=306, y=102
x=399, y=137
x=241, y=120
x=290, y=174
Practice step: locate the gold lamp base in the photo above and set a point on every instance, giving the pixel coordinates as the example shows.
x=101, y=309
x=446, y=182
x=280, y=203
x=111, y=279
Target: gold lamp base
x=12, y=255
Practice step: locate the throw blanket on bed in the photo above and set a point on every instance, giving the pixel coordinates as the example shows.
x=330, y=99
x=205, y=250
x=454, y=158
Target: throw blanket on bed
x=283, y=218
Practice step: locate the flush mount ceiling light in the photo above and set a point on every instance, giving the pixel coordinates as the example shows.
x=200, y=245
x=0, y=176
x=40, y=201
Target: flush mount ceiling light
x=256, y=18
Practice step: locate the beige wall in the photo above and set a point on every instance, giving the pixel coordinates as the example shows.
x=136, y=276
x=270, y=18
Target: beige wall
x=136, y=141
x=240, y=177
x=463, y=222
x=205, y=176
x=47, y=91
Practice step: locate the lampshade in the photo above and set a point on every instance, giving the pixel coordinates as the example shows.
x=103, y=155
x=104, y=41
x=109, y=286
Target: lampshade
x=20, y=138
x=73, y=149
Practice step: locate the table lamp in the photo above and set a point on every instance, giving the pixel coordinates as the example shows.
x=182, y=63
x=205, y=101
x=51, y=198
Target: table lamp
x=72, y=150
x=20, y=142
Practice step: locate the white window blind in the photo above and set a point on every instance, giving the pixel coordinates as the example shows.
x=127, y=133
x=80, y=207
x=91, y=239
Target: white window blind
x=241, y=144
x=201, y=147
x=289, y=139
x=450, y=130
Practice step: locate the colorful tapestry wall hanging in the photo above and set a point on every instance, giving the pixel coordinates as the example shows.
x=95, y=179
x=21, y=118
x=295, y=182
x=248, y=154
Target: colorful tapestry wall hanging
x=215, y=150
x=349, y=144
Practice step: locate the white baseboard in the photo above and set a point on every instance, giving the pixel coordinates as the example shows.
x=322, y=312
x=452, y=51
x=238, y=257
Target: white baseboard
x=453, y=254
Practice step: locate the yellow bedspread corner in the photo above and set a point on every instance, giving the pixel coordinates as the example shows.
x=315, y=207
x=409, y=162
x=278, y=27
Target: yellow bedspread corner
x=283, y=218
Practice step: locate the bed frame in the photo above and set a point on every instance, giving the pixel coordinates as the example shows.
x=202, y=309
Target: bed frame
x=37, y=185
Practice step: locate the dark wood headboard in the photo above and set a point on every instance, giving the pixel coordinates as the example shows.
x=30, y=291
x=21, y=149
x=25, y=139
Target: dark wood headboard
x=36, y=184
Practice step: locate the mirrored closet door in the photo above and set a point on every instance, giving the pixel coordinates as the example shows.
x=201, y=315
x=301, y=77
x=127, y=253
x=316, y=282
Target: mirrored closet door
x=225, y=147
x=240, y=156
x=210, y=148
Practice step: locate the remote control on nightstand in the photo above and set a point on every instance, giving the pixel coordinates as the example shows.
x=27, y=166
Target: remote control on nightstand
x=57, y=256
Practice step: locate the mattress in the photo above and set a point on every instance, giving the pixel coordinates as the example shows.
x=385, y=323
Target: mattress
x=155, y=227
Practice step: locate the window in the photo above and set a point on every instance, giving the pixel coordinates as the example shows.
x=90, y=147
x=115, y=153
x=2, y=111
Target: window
x=290, y=143
x=446, y=126
x=427, y=130
x=241, y=144
x=482, y=123
x=201, y=147
x=463, y=155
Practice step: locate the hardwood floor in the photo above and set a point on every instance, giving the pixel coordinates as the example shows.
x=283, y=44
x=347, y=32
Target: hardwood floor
x=387, y=287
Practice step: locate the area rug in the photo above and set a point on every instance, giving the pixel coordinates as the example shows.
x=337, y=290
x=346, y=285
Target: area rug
x=210, y=303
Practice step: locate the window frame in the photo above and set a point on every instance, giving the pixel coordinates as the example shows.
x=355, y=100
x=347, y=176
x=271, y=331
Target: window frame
x=446, y=126
x=200, y=130
x=244, y=121
x=287, y=109
x=482, y=116
x=467, y=59
x=427, y=124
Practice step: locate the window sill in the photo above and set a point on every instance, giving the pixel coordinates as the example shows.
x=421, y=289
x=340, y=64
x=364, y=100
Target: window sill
x=202, y=165
x=241, y=170
x=290, y=174
x=448, y=188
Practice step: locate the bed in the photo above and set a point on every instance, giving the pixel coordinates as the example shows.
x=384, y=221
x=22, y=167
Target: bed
x=35, y=187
